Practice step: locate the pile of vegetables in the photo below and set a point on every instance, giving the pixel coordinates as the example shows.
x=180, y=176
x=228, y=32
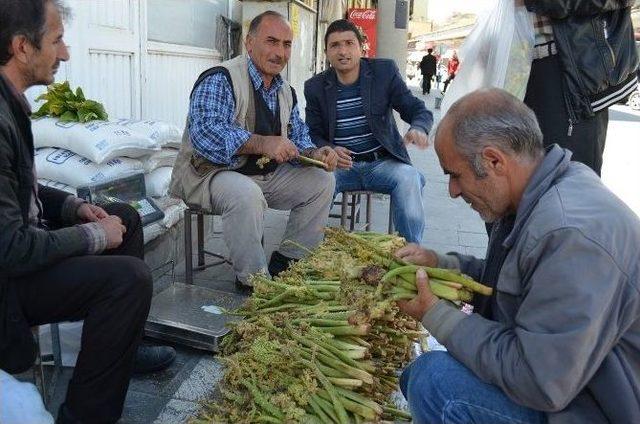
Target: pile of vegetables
x=324, y=342
x=61, y=102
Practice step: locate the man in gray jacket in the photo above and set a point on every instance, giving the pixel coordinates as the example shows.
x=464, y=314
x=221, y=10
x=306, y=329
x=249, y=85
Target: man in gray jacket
x=559, y=339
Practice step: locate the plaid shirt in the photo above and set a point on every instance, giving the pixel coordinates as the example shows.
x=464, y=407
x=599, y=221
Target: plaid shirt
x=542, y=29
x=212, y=129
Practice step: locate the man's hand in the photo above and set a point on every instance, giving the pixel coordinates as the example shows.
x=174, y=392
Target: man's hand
x=344, y=157
x=417, y=138
x=114, y=230
x=278, y=148
x=418, y=255
x=423, y=302
x=327, y=155
x=91, y=213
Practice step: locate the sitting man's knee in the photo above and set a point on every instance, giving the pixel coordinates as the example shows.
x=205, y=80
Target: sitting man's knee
x=127, y=213
x=421, y=377
x=134, y=276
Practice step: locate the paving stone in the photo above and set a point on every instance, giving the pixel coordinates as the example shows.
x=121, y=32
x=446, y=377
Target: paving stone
x=177, y=411
x=473, y=239
x=202, y=381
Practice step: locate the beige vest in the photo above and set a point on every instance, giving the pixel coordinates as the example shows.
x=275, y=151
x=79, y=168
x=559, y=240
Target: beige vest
x=192, y=172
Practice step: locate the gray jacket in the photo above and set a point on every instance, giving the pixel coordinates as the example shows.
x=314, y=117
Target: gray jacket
x=566, y=334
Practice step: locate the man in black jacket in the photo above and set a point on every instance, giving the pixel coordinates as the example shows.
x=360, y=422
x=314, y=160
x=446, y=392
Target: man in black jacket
x=50, y=241
x=428, y=70
x=584, y=61
x=350, y=108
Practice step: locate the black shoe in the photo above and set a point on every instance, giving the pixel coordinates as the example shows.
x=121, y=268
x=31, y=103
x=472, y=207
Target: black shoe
x=244, y=289
x=279, y=263
x=153, y=358
x=65, y=416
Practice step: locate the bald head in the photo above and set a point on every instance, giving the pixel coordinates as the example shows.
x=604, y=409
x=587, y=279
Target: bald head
x=492, y=117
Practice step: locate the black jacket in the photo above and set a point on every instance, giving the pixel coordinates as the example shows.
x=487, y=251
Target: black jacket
x=383, y=90
x=596, y=49
x=428, y=65
x=24, y=248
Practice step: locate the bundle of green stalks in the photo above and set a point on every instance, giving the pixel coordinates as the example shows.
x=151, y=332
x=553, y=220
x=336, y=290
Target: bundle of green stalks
x=324, y=342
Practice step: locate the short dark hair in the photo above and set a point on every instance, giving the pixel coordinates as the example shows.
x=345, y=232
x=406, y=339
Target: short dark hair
x=429, y=50
x=342, y=25
x=255, y=22
x=24, y=17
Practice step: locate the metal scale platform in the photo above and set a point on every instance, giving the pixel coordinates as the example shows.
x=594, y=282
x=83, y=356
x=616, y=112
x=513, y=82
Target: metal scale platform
x=189, y=314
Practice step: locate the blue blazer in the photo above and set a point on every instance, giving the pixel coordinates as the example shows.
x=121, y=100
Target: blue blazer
x=383, y=90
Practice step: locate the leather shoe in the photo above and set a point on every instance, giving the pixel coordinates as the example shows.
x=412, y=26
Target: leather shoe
x=244, y=289
x=65, y=416
x=279, y=263
x=153, y=358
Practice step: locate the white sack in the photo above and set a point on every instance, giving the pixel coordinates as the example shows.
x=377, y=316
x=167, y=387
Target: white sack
x=165, y=157
x=57, y=184
x=69, y=168
x=98, y=141
x=157, y=182
x=20, y=403
x=163, y=133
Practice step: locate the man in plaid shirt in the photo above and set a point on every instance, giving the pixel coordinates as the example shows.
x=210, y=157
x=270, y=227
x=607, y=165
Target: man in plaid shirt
x=245, y=136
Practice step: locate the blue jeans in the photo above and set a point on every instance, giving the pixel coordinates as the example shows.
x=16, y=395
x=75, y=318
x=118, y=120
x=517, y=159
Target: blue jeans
x=403, y=182
x=440, y=389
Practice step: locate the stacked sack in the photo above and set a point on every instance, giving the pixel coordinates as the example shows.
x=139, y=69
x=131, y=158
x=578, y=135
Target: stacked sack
x=71, y=154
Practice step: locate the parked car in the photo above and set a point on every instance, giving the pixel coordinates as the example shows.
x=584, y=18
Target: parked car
x=633, y=101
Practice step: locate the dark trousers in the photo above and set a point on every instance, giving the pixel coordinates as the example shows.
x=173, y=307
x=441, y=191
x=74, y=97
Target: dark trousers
x=447, y=81
x=112, y=294
x=426, y=83
x=545, y=97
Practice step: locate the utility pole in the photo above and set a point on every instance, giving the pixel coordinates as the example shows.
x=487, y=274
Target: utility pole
x=393, y=21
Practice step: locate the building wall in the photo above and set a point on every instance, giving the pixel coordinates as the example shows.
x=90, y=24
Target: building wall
x=114, y=62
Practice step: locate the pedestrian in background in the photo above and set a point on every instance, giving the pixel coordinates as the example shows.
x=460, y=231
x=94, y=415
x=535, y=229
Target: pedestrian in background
x=428, y=70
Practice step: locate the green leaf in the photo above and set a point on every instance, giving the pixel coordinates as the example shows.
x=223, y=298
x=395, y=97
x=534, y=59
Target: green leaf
x=80, y=94
x=62, y=102
x=69, y=116
x=44, y=110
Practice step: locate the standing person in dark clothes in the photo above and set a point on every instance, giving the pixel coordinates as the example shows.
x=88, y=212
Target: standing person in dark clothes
x=62, y=259
x=585, y=60
x=428, y=70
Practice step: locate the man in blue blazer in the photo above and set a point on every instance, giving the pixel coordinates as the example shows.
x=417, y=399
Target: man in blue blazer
x=350, y=108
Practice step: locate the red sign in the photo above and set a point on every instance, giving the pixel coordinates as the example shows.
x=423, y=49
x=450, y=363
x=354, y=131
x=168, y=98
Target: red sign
x=365, y=20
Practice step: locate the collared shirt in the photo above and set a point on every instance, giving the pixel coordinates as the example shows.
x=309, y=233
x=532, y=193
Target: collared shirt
x=212, y=129
x=542, y=29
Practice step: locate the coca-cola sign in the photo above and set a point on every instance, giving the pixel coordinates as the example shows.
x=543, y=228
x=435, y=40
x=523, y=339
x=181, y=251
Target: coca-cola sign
x=364, y=14
x=365, y=20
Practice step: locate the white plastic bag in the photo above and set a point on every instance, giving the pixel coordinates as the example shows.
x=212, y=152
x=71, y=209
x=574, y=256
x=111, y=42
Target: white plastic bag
x=497, y=53
x=98, y=141
x=66, y=167
x=163, y=133
x=157, y=182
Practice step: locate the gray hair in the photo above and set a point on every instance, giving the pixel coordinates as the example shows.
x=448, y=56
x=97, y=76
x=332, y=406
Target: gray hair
x=63, y=10
x=493, y=117
x=255, y=22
